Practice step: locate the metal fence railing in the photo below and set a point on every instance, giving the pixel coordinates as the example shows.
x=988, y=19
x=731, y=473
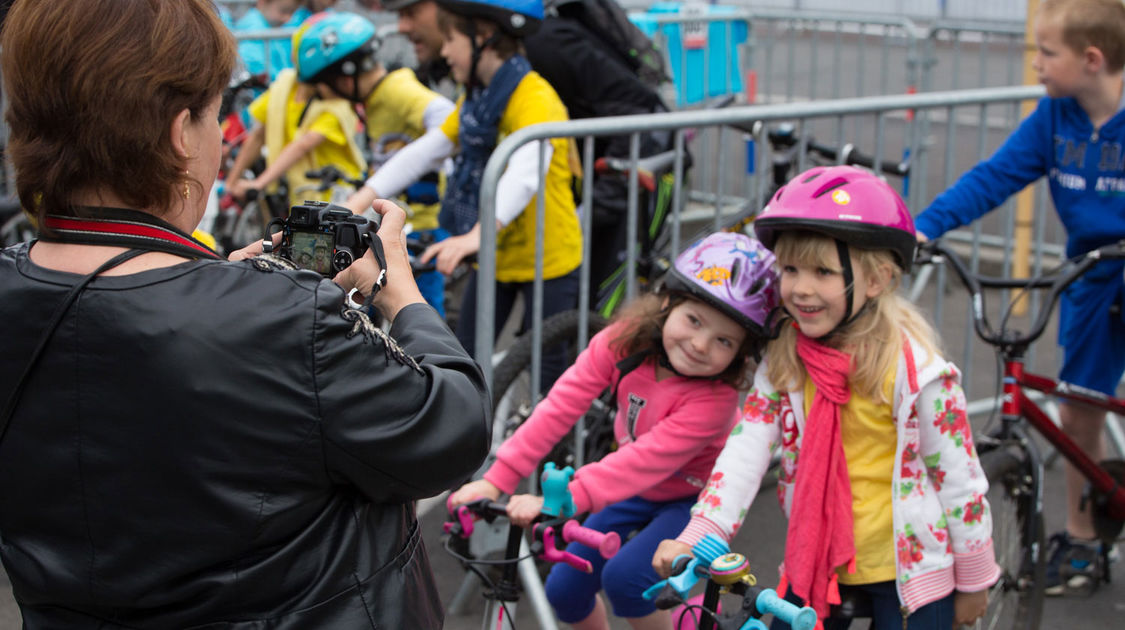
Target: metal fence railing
x=960, y=145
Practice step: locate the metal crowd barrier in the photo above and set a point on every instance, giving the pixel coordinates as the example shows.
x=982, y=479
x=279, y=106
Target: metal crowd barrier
x=962, y=149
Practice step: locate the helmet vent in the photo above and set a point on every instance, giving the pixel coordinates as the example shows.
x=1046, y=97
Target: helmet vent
x=735, y=267
x=829, y=187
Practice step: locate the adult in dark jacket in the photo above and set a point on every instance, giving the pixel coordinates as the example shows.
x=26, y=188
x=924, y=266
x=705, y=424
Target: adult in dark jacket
x=201, y=443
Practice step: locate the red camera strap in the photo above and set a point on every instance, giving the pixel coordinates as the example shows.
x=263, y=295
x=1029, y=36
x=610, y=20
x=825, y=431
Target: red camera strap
x=124, y=228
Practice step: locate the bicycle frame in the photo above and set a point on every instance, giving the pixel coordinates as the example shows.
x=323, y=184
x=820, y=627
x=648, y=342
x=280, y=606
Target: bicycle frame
x=1011, y=347
x=1017, y=404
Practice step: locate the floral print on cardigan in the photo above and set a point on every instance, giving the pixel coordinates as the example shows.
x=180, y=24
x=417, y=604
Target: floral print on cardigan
x=942, y=524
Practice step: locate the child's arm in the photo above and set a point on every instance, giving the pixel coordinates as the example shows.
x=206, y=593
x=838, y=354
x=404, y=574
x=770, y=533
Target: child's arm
x=404, y=168
x=735, y=478
x=740, y=467
x=947, y=461
x=1022, y=159
x=516, y=188
x=567, y=401
x=250, y=151
x=701, y=420
x=301, y=146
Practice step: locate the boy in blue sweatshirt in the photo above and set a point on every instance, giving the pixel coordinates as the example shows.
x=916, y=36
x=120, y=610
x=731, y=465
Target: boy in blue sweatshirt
x=1075, y=137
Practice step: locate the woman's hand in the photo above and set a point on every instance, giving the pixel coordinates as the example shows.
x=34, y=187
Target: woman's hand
x=968, y=607
x=361, y=275
x=666, y=554
x=253, y=249
x=479, y=489
x=524, y=508
x=453, y=250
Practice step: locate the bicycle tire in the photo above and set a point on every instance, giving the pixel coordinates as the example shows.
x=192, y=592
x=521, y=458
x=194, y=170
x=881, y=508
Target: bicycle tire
x=511, y=398
x=251, y=224
x=1018, y=536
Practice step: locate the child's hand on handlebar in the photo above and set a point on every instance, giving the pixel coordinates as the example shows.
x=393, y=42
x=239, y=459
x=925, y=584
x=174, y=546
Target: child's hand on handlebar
x=666, y=554
x=479, y=489
x=239, y=187
x=524, y=508
x=450, y=252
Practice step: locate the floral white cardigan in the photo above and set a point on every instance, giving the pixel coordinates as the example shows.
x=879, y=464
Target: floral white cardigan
x=942, y=521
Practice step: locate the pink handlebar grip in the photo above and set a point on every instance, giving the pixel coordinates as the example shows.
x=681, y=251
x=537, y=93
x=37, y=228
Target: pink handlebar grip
x=606, y=544
x=550, y=554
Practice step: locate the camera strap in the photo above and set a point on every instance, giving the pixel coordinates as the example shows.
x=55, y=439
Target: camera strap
x=139, y=231
x=120, y=227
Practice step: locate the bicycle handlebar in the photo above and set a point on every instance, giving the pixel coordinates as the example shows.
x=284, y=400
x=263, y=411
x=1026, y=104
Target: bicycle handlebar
x=936, y=252
x=712, y=560
x=330, y=174
x=543, y=533
x=847, y=154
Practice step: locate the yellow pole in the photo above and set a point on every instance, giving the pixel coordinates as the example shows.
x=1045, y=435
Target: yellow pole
x=1025, y=200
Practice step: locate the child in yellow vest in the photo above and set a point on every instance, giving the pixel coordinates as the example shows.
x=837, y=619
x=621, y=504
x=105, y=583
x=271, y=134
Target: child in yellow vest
x=302, y=127
x=337, y=53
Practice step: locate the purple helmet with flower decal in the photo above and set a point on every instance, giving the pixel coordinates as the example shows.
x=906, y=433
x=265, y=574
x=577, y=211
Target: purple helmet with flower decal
x=731, y=272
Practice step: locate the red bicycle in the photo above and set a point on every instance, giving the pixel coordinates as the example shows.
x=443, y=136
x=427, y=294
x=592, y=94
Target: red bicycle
x=1009, y=456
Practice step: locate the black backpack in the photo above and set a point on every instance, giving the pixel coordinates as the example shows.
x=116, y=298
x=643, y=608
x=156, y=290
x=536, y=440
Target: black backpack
x=610, y=24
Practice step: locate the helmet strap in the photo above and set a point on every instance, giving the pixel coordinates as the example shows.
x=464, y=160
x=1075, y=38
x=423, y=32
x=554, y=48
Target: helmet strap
x=849, y=290
x=849, y=276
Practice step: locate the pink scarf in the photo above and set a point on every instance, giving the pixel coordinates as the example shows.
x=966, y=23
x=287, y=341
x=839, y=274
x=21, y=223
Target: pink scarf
x=820, y=536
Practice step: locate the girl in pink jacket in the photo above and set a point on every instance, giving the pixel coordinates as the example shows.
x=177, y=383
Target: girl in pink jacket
x=677, y=359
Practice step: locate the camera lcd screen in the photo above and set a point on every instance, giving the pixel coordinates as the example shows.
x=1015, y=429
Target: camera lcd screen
x=313, y=250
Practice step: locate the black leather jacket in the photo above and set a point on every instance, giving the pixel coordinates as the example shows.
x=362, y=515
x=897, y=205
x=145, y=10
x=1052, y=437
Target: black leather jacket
x=215, y=445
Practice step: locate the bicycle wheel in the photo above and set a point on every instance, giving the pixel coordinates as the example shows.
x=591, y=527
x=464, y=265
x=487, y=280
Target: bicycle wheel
x=251, y=224
x=512, y=396
x=1014, y=476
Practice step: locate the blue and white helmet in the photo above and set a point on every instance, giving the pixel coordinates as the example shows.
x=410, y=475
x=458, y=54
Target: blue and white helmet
x=332, y=44
x=518, y=18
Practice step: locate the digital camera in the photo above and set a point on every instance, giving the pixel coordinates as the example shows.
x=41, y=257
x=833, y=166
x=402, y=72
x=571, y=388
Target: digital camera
x=323, y=237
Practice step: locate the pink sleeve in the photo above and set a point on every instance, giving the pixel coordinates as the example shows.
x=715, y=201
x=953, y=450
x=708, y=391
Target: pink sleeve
x=568, y=400
x=704, y=418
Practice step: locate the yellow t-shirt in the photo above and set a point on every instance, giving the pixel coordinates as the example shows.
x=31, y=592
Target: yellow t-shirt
x=335, y=149
x=867, y=430
x=535, y=101
x=395, y=107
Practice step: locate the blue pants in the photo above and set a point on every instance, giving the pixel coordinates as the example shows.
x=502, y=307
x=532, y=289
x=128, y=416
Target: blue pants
x=432, y=283
x=625, y=576
x=559, y=294
x=886, y=611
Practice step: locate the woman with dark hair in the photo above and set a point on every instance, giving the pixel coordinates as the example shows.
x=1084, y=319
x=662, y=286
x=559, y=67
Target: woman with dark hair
x=187, y=441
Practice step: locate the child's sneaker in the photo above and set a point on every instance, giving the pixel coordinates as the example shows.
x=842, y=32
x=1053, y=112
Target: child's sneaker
x=1076, y=565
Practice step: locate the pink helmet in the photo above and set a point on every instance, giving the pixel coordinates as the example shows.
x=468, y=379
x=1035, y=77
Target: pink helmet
x=731, y=272
x=850, y=204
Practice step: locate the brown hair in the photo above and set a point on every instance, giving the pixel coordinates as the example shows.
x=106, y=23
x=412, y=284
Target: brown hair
x=874, y=339
x=93, y=87
x=643, y=326
x=1097, y=23
x=504, y=44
